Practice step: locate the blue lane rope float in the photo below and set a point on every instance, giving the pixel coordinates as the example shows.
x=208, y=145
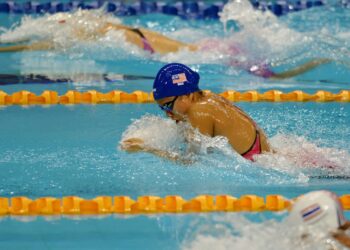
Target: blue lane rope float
x=184, y=9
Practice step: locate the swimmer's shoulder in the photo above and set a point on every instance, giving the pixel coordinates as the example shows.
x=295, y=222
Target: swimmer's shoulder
x=215, y=101
x=204, y=107
x=201, y=117
x=200, y=108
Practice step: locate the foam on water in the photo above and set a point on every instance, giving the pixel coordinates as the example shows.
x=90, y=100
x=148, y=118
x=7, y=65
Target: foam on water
x=261, y=38
x=294, y=156
x=80, y=63
x=156, y=132
x=262, y=28
x=78, y=47
x=62, y=28
x=295, y=153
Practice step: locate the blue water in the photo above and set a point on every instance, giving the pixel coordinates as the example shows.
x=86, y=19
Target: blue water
x=73, y=150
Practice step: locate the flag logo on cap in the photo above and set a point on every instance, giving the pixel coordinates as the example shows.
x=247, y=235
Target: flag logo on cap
x=311, y=212
x=179, y=79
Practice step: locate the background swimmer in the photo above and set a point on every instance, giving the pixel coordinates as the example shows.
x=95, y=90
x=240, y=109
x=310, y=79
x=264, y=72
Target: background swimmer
x=320, y=215
x=85, y=25
x=177, y=93
x=90, y=25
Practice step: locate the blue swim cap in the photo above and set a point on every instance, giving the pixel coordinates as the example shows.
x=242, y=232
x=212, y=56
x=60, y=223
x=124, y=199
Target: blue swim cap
x=175, y=79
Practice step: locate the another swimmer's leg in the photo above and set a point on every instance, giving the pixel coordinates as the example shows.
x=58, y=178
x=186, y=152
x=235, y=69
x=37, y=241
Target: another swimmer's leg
x=192, y=47
x=301, y=69
x=34, y=46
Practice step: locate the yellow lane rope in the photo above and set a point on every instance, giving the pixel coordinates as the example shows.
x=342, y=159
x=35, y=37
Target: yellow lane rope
x=73, y=205
x=93, y=97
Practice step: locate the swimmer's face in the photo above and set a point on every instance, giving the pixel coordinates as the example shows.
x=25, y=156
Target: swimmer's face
x=172, y=107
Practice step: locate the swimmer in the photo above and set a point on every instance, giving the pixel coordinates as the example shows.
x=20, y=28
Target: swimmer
x=87, y=25
x=320, y=214
x=176, y=91
x=95, y=26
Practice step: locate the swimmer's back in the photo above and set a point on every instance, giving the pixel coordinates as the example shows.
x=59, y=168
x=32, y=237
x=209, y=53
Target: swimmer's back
x=229, y=121
x=160, y=43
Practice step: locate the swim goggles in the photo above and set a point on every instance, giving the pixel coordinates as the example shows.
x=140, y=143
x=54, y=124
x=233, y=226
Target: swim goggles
x=169, y=106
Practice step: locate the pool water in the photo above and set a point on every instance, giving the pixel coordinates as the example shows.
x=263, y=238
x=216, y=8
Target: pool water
x=74, y=150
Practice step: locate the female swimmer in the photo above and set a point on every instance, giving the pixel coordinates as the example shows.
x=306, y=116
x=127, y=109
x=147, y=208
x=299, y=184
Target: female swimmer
x=148, y=40
x=177, y=93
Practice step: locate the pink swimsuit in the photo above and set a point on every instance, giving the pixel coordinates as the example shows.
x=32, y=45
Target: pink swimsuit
x=253, y=67
x=257, y=69
x=255, y=149
x=146, y=45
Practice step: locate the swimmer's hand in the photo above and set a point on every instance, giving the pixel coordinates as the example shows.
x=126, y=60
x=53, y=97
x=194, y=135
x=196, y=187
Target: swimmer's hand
x=136, y=145
x=133, y=145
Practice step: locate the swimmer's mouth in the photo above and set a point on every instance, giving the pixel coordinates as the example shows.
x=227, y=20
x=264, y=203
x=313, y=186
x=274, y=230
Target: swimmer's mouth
x=171, y=115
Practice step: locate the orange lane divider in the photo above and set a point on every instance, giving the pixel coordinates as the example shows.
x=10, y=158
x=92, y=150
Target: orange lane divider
x=345, y=200
x=114, y=97
x=73, y=205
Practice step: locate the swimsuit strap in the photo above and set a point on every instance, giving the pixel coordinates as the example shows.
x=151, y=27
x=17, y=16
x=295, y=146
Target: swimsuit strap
x=146, y=45
x=138, y=31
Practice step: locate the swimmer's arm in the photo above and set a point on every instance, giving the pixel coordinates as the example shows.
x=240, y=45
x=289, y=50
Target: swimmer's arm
x=167, y=155
x=137, y=145
x=193, y=144
x=201, y=119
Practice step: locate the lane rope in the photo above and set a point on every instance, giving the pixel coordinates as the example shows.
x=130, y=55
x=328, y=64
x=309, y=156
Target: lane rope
x=73, y=205
x=71, y=97
x=183, y=9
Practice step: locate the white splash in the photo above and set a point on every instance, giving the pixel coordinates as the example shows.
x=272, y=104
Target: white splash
x=162, y=133
x=156, y=132
x=62, y=28
x=234, y=231
x=297, y=154
x=261, y=39
x=293, y=155
x=263, y=32
x=78, y=42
